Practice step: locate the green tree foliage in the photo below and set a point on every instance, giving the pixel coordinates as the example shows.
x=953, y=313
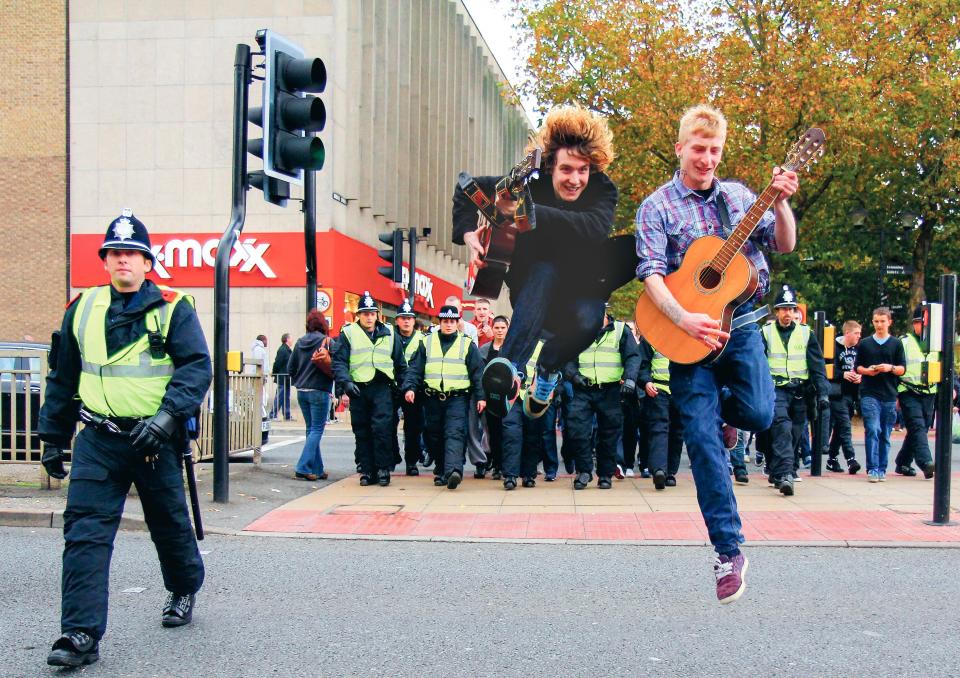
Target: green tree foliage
x=881, y=78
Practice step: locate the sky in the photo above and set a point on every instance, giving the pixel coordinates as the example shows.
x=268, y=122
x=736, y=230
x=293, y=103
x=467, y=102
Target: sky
x=493, y=19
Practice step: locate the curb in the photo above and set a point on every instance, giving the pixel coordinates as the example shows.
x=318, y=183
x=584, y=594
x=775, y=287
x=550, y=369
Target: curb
x=53, y=518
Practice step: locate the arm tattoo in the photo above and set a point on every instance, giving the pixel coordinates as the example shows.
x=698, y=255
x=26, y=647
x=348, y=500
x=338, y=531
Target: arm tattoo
x=672, y=310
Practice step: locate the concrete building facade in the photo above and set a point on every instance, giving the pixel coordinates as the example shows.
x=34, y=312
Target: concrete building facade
x=413, y=97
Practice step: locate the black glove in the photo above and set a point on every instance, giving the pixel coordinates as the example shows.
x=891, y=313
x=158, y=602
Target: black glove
x=580, y=381
x=351, y=389
x=151, y=434
x=628, y=387
x=823, y=402
x=52, y=461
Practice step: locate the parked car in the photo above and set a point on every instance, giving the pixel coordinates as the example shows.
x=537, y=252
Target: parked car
x=14, y=388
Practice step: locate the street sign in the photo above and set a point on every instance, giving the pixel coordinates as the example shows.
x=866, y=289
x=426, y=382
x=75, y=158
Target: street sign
x=898, y=269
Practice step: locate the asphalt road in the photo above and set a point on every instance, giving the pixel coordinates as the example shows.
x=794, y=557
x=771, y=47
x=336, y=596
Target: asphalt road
x=301, y=607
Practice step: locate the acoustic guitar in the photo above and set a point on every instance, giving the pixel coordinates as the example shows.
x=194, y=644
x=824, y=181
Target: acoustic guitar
x=497, y=233
x=715, y=277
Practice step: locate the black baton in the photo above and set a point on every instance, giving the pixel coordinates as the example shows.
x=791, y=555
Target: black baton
x=194, y=497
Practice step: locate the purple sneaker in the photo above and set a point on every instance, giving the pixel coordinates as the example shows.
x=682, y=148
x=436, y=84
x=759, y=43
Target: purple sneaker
x=731, y=577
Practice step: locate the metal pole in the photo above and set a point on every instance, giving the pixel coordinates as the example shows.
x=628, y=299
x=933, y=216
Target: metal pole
x=412, y=283
x=943, y=444
x=310, y=234
x=816, y=461
x=221, y=286
x=880, y=299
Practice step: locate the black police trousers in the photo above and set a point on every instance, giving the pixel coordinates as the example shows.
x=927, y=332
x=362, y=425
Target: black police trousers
x=104, y=466
x=446, y=432
x=664, y=433
x=841, y=437
x=604, y=402
x=374, y=426
x=917, y=410
x=412, y=429
x=522, y=440
x=634, y=433
x=789, y=424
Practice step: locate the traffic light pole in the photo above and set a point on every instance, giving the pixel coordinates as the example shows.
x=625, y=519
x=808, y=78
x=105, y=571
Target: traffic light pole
x=310, y=235
x=412, y=283
x=820, y=436
x=221, y=287
x=943, y=444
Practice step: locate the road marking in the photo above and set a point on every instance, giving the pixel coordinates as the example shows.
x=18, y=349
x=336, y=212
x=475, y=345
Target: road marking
x=271, y=446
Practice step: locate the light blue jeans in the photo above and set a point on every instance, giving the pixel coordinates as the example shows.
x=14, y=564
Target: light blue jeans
x=315, y=406
x=878, y=418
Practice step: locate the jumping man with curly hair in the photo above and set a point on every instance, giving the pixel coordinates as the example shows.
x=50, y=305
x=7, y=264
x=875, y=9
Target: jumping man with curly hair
x=555, y=277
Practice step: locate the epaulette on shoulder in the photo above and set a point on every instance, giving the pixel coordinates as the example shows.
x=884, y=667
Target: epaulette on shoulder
x=168, y=295
x=73, y=301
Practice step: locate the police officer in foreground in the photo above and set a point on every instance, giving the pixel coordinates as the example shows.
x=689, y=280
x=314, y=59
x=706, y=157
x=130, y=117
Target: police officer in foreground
x=606, y=371
x=918, y=400
x=410, y=339
x=366, y=362
x=448, y=367
x=131, y=362
x=795, y=359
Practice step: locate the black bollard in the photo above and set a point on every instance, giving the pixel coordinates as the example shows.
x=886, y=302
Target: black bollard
x=943, y=444
x=821, y=434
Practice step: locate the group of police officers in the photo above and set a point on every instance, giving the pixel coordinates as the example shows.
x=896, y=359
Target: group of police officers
x=130, y=361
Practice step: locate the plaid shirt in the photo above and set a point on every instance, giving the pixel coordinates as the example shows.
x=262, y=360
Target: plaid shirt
x=674, y=216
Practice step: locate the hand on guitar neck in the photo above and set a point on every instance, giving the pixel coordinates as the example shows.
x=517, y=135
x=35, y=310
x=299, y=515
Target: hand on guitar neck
x=700, y=326
x=506, y=207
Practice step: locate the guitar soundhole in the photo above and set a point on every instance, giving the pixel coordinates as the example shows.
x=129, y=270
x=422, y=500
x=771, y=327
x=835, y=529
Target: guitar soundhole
x=709, y=278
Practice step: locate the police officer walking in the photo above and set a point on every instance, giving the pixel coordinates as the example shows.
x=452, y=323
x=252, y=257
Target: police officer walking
x=410, y=339
x=522, y=438
x=448, y=366
x=664, y=437
x=602, y=374
x=918, y=399
x=365, y=364
x=795, y=360
x=131, y=362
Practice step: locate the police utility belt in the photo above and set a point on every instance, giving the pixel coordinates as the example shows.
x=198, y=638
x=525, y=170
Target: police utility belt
x=443, y=395
x=789, y=384
x=588, y=384
x=115, y=425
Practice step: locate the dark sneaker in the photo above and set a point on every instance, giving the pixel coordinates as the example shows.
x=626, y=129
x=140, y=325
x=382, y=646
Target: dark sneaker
x=581, y=481
x=383, y=477
x=644, y=472
x=501, y=384
x=905, y=471
x=550, y=477
x=731, y=574
x=740, y=476
x=853, y=466
x=496, y=474
x=758, y=460
x=618, y=473
x=178, y=610
x=438, y=481
x=453, y=480
x=529, y=482
x=928, y=470
x=540, y=394
x=604, y=482
x=833, y=464
x=730, y=435
x=364, y=480
x=659, y=479
x=786, y=487
x=480, y=472
x=671, y=481
x=413, y=471
x=74, y=648
x=509, y=483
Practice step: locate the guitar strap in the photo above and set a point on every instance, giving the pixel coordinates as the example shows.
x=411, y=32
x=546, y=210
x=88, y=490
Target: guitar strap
x=522, y=221
x=724, y=214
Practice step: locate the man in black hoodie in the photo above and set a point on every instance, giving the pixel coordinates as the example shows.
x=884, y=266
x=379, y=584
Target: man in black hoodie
x=281, y=377
x=556, y=274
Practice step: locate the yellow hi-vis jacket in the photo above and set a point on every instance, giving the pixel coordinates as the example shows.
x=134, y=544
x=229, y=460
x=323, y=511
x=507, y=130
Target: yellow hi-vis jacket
x=914, y=372
x=790, y=361
x=446, y=371
x=367, y=357
x=602, y=363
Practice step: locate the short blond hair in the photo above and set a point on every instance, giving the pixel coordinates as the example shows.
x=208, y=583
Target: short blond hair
x=703, y=119
x=851, y=325
x=586, y=134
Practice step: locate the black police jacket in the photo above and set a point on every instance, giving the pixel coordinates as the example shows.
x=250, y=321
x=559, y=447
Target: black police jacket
x=125, y=324
x=568, y=234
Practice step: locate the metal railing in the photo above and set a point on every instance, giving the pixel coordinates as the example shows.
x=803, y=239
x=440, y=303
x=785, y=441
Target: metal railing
x=245, y=414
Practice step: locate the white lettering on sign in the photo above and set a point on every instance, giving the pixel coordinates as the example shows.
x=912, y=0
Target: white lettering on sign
x=423, y=285
x=190, y=253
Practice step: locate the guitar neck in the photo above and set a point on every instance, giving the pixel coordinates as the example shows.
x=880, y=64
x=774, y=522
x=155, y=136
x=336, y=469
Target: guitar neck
x=744, y=229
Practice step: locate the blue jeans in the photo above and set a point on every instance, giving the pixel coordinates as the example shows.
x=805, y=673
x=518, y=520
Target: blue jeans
x=315, y=406
x=742, y=368
x=878, y=418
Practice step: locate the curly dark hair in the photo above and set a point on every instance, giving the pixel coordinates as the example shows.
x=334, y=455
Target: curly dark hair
x=585, y=133
x=317, y=322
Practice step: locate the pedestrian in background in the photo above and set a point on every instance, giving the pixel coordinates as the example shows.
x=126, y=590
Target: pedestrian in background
x=844, y=393
x=314, y=389
x=281, y=377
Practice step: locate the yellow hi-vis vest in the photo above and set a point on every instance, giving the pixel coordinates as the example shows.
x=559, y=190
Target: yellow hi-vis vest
x=531, y=369
x=446, y=371
x=601, y=363
x=366, y=357
x=415, y=340
x=914, y=372
x=787, y=362
x=130, y=383
x=660, y=371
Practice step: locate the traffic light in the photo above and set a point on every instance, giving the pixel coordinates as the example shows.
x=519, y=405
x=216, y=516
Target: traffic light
x=289, y=116
x=394, y=255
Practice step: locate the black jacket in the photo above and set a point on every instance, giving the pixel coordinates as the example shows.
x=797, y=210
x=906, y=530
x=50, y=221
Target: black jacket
x=418, y=364
x=844, y=360
x=125, y=324
x=341, y=357
x=569, y=234
x=281, y=360
x=303, y=373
